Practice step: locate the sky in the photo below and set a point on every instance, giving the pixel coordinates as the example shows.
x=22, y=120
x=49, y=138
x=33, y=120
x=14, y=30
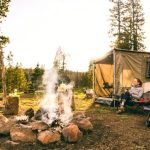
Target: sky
x=37, y=28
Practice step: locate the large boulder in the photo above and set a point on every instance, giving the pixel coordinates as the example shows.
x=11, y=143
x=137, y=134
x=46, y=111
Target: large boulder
x=21, y=133
x=71, y=133
x=48, y=136
x=6, y=125
x=39, y=125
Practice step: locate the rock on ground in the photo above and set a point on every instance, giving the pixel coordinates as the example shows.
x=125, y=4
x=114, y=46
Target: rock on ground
x=3, y=119
x=29, y=112
x=22, y=134
x=39, y=125
x=78, y=115
x=71, y=133
x=85, y=124
x=47, y=137
x=38, y=115
x=6, y=125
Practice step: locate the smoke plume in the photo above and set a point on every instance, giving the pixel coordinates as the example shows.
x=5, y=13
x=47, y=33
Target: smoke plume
x=56, y=104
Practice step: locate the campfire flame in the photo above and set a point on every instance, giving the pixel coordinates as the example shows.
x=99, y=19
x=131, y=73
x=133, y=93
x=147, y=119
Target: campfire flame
x=56, y=104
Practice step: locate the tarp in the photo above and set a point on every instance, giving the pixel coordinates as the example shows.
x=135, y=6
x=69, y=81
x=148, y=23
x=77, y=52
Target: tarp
x=118, y=68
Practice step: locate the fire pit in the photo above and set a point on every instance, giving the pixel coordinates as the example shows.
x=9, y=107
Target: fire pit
x=23, y=129
x=53, y=122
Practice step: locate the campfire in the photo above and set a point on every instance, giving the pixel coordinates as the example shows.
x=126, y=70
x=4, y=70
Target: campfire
x=54, y=121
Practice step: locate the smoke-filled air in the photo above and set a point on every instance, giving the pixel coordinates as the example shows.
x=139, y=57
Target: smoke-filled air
x=56, y=104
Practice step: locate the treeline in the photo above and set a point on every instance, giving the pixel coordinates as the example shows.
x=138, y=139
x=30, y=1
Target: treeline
x=25, y=80
x=81, y=79
x=29, y=80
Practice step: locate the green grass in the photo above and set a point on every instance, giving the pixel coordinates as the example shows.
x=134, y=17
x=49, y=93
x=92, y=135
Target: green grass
x=81, y=103
x=26, y=103
x=32, y=101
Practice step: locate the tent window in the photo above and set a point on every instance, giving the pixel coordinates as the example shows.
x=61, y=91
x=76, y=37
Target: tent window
x=148, y=68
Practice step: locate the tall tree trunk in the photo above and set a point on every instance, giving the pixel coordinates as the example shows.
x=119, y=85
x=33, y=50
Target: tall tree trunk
x=133, y=27
x=119, y=22
x=3, y=75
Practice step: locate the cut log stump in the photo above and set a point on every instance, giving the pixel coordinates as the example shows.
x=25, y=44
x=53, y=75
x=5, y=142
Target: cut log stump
x=12, y=105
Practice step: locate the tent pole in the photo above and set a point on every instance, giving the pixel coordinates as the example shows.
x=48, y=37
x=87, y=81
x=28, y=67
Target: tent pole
x=114, y=75
x=93, y=80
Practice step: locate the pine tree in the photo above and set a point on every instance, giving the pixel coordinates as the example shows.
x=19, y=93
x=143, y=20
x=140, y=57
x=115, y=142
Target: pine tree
x=16, y=79
x=127, y=20
x=137, y=22
x=116, y=18
x=36, y=78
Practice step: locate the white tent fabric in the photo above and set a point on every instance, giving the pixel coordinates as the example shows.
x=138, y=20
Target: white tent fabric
x=146, y=87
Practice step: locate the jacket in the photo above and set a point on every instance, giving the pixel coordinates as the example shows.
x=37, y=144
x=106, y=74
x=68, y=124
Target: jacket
x=136, y=92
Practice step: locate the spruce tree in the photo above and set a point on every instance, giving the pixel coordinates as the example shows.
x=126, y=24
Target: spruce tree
x=127, y=20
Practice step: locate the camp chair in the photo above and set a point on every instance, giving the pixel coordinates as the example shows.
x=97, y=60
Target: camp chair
x=145, y=100
x=147, y=108
x=146, y=95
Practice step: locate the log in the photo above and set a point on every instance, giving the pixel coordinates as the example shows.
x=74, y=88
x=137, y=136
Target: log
x=12, y=105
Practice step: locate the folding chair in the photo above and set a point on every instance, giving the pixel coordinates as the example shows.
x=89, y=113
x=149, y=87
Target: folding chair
x=147, y=123
x=146, y=96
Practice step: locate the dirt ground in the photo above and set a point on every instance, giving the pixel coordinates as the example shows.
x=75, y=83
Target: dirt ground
x=111, y=132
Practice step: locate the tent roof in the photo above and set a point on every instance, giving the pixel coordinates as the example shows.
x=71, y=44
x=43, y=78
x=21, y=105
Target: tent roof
x=108, y=57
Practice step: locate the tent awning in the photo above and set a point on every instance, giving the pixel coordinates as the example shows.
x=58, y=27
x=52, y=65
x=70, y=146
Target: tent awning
x=107, y=59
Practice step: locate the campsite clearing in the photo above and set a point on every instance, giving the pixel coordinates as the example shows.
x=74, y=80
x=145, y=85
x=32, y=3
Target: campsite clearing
x=111, y=131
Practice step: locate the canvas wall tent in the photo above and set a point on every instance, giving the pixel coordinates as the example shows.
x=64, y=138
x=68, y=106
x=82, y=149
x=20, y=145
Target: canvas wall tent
x=114, y=72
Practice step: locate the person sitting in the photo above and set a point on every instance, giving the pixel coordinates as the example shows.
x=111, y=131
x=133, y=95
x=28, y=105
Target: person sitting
x=132, y=95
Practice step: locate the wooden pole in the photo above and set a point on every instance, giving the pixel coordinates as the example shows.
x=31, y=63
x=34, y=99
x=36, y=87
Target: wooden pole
x=3, y=75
